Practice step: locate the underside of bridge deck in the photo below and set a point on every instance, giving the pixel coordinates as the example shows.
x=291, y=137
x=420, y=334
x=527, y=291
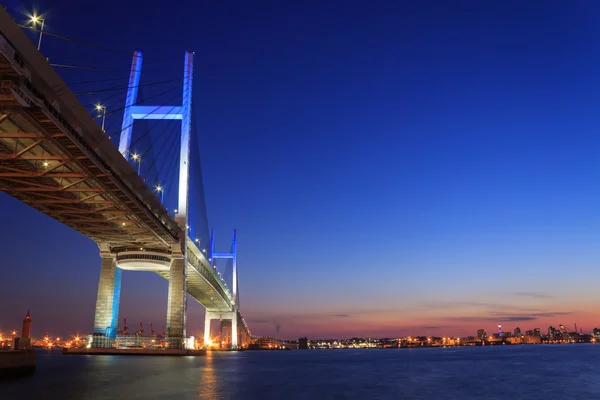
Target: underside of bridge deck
x=49, y=159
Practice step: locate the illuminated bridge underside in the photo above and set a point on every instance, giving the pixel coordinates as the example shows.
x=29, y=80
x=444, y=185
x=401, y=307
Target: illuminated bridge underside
x=40, y=166
x=55, y=157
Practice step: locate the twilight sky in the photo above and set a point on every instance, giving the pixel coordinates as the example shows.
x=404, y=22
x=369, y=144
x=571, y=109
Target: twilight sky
x=392, y=167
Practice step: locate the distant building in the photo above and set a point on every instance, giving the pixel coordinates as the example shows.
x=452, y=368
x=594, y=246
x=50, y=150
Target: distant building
x=303, y=343
x=515, y=340
x=596, y=333
x=551, y=332
x=481, y=334
x=537, y=332
x=532, y=339
x=268, y=343
x=26, y=332
x=517, y=331
x=23, y=342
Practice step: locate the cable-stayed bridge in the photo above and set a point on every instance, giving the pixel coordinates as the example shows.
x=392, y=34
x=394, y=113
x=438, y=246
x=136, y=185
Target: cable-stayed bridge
x=56, y=157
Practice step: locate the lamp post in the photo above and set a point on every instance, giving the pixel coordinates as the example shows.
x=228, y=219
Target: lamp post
x=138, y=158
x=161, y=190
x=101, y=108
x=35, y=19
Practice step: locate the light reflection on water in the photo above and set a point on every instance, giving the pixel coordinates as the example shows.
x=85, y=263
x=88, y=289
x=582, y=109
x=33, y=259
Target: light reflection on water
x=492, y=372
x=208, y=384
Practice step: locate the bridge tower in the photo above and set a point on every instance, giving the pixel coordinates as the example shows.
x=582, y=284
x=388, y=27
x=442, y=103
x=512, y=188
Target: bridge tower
x=109, y=288
x=233, y=315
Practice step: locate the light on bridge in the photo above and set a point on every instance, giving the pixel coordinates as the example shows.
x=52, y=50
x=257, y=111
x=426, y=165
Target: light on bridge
x=101, y=108
x=45, y=164
x=161, y=190
x=196, y=240
x=138, y=158
x=35, y=19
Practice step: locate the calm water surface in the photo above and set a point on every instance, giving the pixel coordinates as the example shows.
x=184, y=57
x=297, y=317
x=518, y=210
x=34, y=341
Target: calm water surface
x=492, y=372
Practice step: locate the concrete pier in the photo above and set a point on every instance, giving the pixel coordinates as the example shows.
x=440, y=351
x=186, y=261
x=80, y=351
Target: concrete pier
x=177, y=297
x=16, y=363
x=107, y=303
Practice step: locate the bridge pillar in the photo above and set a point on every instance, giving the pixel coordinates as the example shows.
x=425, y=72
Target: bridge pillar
x=234, y=330
x=224, y=316
x=176, y=311
x=107, y=303
x=207, y=320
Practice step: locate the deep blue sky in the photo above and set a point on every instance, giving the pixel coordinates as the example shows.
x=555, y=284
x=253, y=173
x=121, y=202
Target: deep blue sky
x=391, y=167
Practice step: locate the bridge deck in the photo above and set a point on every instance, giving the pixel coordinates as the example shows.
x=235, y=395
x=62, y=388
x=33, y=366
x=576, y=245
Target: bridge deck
x=55, y=157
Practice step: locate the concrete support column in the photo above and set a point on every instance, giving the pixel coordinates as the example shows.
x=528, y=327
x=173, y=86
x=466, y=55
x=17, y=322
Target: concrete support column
x=207, y=320
x=234, y=330
x=176, y=311
x=107, y=303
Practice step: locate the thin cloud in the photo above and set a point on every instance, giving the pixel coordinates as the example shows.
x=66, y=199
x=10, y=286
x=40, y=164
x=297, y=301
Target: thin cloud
x=516, y=319
x=341, y=315
x=552, y=314
x=503, y=317
x=535, y=295
x=431, y=327
x=258, y=321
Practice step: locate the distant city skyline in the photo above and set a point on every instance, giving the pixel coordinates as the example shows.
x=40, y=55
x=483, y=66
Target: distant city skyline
x=403, y=168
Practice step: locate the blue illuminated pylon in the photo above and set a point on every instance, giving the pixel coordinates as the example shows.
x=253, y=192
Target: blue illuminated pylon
x=233, y=256
x=133, y=112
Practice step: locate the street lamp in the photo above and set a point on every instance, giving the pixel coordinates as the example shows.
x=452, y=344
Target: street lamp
x=34, y=20
x=138, y=158
x=101, y=108
x=161, y=190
